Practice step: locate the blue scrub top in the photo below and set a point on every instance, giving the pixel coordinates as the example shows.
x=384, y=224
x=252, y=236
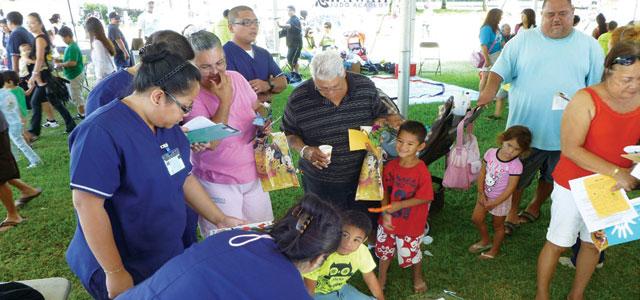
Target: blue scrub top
x=260, y=66
x=116, y=156
x=213, y=269
x=115, y=86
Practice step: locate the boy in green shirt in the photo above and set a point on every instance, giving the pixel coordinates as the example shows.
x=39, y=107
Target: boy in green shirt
x=73, y=69
x=329, y=282
x=11, y=81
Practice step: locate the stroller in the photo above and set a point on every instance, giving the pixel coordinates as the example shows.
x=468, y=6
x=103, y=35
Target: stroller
x=438, y=142
x=357, y=52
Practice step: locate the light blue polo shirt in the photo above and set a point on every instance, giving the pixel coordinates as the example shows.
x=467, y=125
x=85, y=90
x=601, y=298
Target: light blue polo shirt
x=538, y=67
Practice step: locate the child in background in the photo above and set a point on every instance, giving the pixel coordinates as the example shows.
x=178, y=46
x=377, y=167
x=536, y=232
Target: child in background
x=73, y=69
x=329, y=282
x=408, y=190
x=11, y=81
x=10, y=108
x=25, y=63
x=498, y=179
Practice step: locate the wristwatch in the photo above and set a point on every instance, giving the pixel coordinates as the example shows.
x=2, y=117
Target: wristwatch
x=271, y=85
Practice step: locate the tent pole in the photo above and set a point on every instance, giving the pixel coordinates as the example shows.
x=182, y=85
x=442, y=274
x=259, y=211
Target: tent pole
x=407, y=15
x=275, y=30
x=73, y=23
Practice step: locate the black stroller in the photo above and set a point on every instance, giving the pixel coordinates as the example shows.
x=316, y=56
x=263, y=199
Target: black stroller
x=438, y=142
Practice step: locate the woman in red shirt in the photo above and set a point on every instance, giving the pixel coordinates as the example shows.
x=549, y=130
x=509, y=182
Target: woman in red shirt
x=597, y=124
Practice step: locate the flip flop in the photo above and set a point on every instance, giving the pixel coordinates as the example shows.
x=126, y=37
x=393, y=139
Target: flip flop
x=24, y=200
x=477, y=248
x=527, y=217
x=509, y=228
x=8, y=225
x=485, y=256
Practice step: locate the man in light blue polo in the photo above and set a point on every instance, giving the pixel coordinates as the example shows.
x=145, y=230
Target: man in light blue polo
x=546, y=66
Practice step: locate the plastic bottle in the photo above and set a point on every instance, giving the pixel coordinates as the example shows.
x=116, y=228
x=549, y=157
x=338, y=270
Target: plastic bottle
x=461, y=104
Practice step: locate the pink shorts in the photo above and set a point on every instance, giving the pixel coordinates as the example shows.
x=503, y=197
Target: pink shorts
x=502, y=209
x=244, y=201
x=408, y=247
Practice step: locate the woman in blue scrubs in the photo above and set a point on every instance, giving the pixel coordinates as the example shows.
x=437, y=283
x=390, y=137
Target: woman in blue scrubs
x=250, y=265
x=131, y=179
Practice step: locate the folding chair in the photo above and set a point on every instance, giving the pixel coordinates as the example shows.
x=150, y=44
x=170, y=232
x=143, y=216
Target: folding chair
x=282, y=62
x=430, y=51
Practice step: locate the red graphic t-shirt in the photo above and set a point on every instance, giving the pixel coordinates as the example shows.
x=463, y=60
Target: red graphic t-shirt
x=407, y=183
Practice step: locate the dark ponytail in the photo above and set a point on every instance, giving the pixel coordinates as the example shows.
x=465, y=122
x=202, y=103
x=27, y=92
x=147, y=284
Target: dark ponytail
x=309, y=229
x=164, y=69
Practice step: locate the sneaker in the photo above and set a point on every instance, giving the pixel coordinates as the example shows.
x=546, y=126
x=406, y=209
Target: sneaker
x=78, y=117
x=600, y=265
x=51, y=124
x=566, y=261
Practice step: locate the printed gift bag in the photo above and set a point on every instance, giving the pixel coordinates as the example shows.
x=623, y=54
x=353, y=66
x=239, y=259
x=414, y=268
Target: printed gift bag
x=370, y=182
x=274, y=163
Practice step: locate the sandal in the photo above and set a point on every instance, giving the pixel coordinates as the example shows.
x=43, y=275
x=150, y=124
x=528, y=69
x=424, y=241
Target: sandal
x=485, y=256
x=477, y=247
x=527, y=217
x=509, y=228
x=24, y=200
x=8, y=225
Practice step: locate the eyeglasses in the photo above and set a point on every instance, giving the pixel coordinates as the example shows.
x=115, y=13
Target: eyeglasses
x=328, y=90
x=625, y=60
x=185, y=109
x=247, y=22
x=221, y=64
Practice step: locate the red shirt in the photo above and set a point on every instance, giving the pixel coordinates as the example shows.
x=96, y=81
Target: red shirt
x=609, y=132
x=404, y=184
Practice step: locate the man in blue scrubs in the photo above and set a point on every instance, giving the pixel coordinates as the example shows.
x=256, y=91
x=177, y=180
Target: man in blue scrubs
x=254, y=63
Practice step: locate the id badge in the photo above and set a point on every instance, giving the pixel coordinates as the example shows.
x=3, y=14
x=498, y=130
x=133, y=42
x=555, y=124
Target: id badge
x=560, y=101
x=173, y=161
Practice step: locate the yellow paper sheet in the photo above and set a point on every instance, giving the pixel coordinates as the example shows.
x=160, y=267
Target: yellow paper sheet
x=357, y=140
x=604, y=201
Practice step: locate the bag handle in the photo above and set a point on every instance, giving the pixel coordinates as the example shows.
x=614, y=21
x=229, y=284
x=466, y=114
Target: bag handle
x=495, y=40
x=460, y=128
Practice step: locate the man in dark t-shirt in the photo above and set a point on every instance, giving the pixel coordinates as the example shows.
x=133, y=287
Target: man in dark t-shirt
x=122, y=59
x=294, y=38
x=319, y=112
x=19, y=35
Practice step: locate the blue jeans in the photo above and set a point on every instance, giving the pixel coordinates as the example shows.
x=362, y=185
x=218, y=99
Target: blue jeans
x=347, y=292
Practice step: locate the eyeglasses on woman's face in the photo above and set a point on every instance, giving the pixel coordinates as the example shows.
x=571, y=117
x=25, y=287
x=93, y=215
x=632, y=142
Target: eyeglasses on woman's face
x=185, y=109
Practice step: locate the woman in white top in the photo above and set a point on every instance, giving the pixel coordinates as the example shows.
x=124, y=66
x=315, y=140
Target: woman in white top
x=102, y=49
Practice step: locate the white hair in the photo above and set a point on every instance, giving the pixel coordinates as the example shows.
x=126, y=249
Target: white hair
x=327, y=65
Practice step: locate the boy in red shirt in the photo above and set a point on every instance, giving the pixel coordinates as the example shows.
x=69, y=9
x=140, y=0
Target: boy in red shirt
x=408, y=191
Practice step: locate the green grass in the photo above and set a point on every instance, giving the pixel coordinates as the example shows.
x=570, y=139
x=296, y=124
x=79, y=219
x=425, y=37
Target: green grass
x=36, y=249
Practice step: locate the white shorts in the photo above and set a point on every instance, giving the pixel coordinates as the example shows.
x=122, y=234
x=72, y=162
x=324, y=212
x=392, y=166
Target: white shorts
x=244, y=201
x=566, y=223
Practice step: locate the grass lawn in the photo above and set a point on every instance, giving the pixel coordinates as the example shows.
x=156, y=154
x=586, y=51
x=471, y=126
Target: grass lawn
x=36, y=249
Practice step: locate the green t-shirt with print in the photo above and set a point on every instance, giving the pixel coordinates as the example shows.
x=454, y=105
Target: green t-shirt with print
x=337, y=269
x=21, y=98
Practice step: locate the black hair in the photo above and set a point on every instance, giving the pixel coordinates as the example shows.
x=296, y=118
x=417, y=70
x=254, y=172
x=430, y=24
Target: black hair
x=15, y=18
x=10, y=76
x=304, y=13
x=612, y=25
x=602, y=24
x=327, y=24
x=3, y=21
x=54, y=18
x=178, y=44
x=309, y=229
x=576, y=20
x=166, y=70
x=414, y=127
x=65, y=31
x=291, y=8
x=225, y=13
x=1, y=79
x=531, y=17
x=358, y=220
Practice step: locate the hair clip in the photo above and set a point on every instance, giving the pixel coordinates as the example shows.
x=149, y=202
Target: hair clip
x=303, y=219
x=170, y=74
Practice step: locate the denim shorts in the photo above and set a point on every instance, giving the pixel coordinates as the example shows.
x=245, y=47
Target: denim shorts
x=539, y=160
